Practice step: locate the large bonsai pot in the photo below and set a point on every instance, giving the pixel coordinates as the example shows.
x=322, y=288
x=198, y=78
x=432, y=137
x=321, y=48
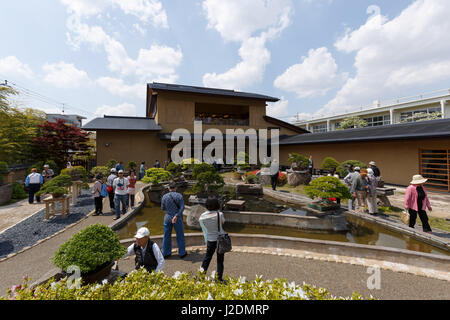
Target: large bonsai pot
x=6, y=192
x=97, y=275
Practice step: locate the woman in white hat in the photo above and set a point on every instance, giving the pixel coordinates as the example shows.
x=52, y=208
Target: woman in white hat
x=416, y=202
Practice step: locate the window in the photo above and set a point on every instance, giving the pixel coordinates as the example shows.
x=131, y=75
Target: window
x=378, y=121
x=435, y=166
x=219, y=114
x=418, y=115
x=319, y=128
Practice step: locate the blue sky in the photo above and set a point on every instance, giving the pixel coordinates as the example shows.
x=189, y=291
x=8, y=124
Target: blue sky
x=319, y=56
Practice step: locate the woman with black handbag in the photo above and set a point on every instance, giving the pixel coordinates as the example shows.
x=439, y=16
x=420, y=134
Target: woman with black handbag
x=211, y=222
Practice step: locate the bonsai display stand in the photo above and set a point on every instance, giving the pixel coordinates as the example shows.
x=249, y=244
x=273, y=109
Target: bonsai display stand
x=383, y=193
x=75, y=190
x=50, y=206
x=238, y=205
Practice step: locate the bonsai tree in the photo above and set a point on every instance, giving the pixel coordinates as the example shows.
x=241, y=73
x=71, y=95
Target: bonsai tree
x=330, y=164
x=104, y=171
x=208, y=182
x=301, y=161
x=202, y=167
x=188, y=164
x=76, y=173
x=3, y=170
x=57, y=186
x=156, y=175
x=348, y=165
x=89, y=249
x=131, y=165
x=326, y=188
x=174, y=169
x=251, y=178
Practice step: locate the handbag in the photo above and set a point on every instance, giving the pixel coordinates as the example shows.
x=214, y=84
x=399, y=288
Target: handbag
x=405, y=217
x=223, y=240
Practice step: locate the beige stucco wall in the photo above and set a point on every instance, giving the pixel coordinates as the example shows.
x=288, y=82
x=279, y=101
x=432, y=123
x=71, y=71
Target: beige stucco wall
x=398, y=160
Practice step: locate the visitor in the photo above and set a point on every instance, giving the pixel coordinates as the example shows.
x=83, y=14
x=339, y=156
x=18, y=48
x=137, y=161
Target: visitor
x=416, y=202
x=157, y=164
x=209, y=224
x=166, y=164
x=142, y=171
x=147, y=253
x=132, y=188
x=360, y=191
x=310, y=166
x=173, y=204
x=372, y=196
x=97, y=194
x=120, y=186
x=219, y=164
x=33, y=182
x=48, y=173
x=348, y=181
x=376, y=171
x=120, y=166
x=274, y=173
x=110, y=187
x=215, y=165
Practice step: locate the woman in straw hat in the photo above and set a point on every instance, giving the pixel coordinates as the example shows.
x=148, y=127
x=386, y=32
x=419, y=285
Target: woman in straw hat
x=416, y=202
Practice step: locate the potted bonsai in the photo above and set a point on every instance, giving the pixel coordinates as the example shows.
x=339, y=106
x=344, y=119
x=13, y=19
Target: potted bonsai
x=6, y=190
x=57, y=187
x=93, y=250
x=325, y=188
x=155, y=176
x=208, y=182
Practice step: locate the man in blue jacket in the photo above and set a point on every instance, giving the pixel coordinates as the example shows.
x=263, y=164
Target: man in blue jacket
x=33, y=182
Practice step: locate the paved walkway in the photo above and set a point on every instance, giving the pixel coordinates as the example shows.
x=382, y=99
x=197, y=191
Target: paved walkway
x=339, y=279
x=14, y=213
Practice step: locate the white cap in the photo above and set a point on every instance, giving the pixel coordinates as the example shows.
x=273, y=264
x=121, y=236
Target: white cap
x=142, y=232
x=113, y=170
x=46, y=166
x=120, y=171
x=372, y=163
x=357, y=169
x=369, y=171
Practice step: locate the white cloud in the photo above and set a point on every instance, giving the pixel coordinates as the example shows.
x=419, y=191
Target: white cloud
x=11, y=66
x=278, y=109
x=148, y=11
x=118, y=87
x=65, y=75
x=158, y=62
x=394, y=56
x=124, y=109
x=316, y=75
x=239, y=21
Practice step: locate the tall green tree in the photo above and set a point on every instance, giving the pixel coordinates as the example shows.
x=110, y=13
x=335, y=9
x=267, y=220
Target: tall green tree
x=18, y=128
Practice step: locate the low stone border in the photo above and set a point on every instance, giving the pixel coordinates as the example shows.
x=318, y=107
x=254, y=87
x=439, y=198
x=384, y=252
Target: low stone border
x=393, y=226
x=397, y=260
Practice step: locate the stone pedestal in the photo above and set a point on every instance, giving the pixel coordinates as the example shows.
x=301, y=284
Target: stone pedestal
x=236, y=205
x=254, y=189
x=296, y=178
x=193, y=216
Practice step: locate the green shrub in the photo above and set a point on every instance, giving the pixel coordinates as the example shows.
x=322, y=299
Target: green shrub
x=111, y=164
x=342, y=169
x=242, y=158
x=301, y=161
x=327, y=187
x=156, y=175
x=76, y=173
x=3, y=170
x=141, y=285
x=57, y=185
x=188, y=164
x=131, y=165
x=252, y=178
x=202, y=167
x=174, y=169
x=89, y=249
x=40, y=166
x=104, y=171
x=244, y=167
x=208, y=182
x=330, y=164
x=18, y=191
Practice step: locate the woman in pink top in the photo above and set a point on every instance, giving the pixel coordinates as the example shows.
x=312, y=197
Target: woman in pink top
x=416, y=202
x=132, y=188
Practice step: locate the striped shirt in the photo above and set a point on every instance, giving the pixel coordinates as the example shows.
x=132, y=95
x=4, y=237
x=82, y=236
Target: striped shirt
x=208, y=222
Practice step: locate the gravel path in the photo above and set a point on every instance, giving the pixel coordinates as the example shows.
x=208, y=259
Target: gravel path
x=35, y=228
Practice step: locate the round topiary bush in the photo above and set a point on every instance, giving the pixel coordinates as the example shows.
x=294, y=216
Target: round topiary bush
x=104, y=171
x=202, y=167
x=156, y=175
x=89, y=249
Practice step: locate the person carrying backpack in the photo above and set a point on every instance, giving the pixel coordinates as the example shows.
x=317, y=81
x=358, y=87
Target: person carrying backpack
x=99, y=191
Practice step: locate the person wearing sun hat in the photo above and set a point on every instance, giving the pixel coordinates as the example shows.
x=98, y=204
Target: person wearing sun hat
x=416, y=202
x=376, y=171
x=147, y=253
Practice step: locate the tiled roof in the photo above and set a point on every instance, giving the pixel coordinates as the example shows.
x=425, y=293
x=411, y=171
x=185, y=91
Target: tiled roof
x=122, y=123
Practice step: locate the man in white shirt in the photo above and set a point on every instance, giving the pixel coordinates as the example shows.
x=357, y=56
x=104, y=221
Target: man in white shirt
x=148, y=254
x=274, y=172
x=120, y=186
x=33, y=182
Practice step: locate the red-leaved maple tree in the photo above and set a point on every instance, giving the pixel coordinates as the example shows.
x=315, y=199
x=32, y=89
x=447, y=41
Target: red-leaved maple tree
x=55, y=139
